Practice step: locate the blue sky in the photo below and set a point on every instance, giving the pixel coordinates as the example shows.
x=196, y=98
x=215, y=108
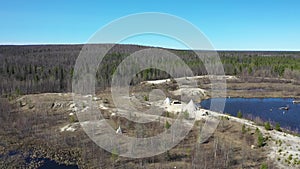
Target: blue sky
x=228, y=24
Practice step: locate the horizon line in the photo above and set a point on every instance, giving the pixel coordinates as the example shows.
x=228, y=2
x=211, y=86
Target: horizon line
x=172, y=48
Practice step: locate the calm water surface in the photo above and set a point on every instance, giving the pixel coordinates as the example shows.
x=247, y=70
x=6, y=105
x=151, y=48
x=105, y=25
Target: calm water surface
x=268, y=109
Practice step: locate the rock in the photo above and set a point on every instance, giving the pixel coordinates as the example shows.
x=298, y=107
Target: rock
x=55, y=105
x=105, y=101
x=96, y=99
x=31, y=106
x=23, y=103
x=102, y=107
x=87, y=96
x=72, y=105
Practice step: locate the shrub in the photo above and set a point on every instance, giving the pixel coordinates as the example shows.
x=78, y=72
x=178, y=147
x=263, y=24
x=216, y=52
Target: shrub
x=72, y=119
x=146, y=98
x=264, y=166
x=167, y=125
x=268, y=126
x=114, y=154
x=83, y=105
x=244, y=129
x=279, y=142
x=277, y=127
x=168, y=155
x=167, y=114
x=186, y=114
x=224, y=118
x=239, y=114
x=18, y=92
x=260, y=140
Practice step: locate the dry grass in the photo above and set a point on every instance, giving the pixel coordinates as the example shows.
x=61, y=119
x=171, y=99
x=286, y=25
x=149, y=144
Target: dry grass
x=250, y=89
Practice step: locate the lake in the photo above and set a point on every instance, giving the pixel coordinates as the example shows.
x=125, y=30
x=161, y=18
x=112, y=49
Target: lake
x=268, y=109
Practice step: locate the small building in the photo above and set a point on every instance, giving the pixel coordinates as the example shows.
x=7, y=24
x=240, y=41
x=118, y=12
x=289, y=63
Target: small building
x=167, y=101
x=119, y=130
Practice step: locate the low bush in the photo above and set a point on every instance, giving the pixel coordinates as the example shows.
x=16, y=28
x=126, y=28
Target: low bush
x=239, y=114
x=268, y=126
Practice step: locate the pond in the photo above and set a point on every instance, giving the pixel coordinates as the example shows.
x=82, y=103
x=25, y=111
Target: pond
x=49, y=164
x=46, y=163
x=275, y=110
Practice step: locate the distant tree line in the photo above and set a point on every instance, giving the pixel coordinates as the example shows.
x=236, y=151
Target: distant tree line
x=50, y=68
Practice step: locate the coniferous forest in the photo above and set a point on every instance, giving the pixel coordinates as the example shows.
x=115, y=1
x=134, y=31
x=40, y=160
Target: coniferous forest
x=49, y=68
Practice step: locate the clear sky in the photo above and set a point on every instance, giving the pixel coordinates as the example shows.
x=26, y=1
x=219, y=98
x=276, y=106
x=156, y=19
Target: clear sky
x=228, y=24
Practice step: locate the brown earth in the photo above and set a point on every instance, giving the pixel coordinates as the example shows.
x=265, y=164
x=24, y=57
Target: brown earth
x=31, y=126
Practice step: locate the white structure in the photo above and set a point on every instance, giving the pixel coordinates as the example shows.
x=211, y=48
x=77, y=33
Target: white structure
x=167, y=101
x=191, y=109
x=119, y=131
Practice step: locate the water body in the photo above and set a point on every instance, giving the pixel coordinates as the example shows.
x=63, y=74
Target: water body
x=50, y=164
x=268, y=109
x=46, y=162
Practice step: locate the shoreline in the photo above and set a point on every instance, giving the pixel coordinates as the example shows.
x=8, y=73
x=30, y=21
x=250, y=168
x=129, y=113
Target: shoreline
x=288, y=139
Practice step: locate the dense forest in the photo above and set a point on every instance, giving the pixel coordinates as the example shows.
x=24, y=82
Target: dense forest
x=50, y=68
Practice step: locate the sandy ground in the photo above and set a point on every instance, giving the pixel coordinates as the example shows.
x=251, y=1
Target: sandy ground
x=188, y=78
